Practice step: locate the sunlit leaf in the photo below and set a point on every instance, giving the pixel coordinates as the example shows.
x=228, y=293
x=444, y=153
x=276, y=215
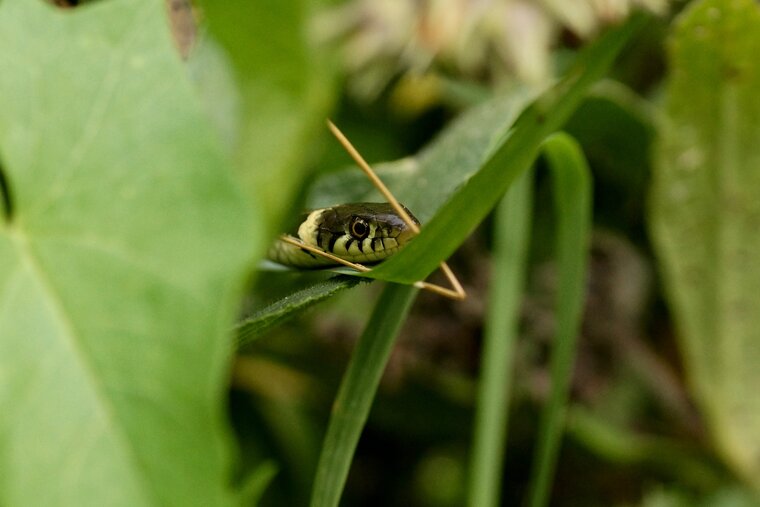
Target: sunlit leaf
x=120, y=267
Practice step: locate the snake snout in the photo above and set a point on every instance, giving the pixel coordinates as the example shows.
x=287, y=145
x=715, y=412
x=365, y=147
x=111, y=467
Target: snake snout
x=405, y=235
x=394, y=225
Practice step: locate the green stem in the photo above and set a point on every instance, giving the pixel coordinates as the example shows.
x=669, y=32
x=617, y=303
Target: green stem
x=357, y=391
x=511, y=235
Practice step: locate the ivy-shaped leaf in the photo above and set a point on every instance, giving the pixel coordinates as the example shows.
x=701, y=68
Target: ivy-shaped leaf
x=119, y=268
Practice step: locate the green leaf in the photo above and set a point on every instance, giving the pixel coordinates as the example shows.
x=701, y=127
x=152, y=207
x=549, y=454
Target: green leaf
x=283, y=309
x=615, y=128
x=257, y=483
x=730, y=495
x=120, y=268
x=283, y=87
x=572, y=192
x=706, y=217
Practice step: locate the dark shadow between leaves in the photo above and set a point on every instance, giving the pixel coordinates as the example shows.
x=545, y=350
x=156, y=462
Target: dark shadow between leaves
x=6, y=198
x=67, y=4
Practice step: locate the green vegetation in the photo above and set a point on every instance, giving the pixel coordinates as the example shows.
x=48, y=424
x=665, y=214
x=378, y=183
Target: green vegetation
x=603, y=224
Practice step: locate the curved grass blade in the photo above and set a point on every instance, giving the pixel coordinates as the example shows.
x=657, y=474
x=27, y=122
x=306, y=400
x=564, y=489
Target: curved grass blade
x=511, y=236
x=278, y=312
x=357, y=391
x=572, y=193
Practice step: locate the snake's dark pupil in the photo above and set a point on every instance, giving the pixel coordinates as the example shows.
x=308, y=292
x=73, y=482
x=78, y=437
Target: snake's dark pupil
x=359, y=228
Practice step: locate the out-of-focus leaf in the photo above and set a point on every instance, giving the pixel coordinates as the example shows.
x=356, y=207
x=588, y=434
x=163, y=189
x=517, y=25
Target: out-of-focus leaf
x=120, y=267
x=729, y=496
x=706, y=217
x=282, y=87
x=615, y=128
x=685, y=463
x=257, y=483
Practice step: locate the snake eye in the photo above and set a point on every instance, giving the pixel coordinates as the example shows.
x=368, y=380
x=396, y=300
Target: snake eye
x=359, y=228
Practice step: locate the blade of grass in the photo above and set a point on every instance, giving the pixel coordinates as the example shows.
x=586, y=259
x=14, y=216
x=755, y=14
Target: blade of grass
x=511, y=236
x=357, y=391
x=572, y=193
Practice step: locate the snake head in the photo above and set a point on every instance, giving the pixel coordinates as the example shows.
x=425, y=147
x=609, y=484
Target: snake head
x=357, y=232
x=365, y=232
x=371, y=220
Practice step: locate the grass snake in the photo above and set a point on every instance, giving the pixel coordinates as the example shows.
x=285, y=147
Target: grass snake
x=358, y=232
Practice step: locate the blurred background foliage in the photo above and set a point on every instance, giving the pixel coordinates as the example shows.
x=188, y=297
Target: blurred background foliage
x=645, y=423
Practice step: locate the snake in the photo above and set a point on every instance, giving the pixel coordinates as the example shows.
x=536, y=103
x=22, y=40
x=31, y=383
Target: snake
x=364, y=232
